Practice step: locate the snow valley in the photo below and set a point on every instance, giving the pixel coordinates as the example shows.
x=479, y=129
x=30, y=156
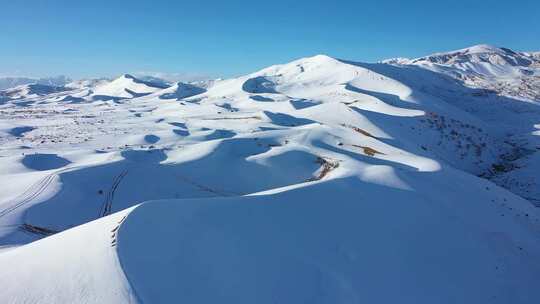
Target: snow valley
x=321, y=180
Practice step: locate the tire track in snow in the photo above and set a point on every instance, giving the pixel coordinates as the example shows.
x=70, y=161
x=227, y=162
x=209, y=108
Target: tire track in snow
x=30, y=194
x=107, y=204
x=33, y=191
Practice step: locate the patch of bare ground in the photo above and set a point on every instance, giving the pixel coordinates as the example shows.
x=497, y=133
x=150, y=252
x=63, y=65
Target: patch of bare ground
x=327, y=166
x=368, y=150
x=233, y=118
x=358, y=130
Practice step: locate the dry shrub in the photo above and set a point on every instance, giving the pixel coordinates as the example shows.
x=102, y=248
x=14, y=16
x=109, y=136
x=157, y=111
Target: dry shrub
x=326, y=165
x=369, y=151
x=358, y=130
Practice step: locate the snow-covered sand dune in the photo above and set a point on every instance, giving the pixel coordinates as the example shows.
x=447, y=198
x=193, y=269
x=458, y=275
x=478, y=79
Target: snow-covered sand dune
x=320, y=181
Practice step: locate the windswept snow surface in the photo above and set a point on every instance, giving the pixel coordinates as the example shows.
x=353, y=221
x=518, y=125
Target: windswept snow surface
x=76, y=266
x=319, y=181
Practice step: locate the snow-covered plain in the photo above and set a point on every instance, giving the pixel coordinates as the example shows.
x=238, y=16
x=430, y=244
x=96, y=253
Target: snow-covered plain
x=316, y=181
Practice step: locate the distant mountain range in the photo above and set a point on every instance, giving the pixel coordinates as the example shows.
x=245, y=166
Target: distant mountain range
x=10, y=82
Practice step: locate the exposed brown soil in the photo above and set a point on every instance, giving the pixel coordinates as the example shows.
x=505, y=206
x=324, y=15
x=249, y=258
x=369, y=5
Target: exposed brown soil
x=369, y=151
x=327, y=166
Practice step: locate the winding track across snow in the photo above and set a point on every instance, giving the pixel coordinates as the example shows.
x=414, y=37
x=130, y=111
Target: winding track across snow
x=30, y=194
x=107, y=204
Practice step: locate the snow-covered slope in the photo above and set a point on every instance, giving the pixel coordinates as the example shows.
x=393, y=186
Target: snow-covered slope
x=509, y=85
x=364, y=243
x=319, y=180
x=77, y=266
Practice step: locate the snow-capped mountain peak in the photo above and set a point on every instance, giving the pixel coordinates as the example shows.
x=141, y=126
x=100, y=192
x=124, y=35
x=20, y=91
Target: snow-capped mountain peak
x=479, y=48
x=497, y=69
x=481, y=53
x=127, y=86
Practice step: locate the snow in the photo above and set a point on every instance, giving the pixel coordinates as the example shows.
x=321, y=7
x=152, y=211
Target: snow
x=509, y=86
x=301, y=245
x=320, y=180
x=77, y=266
x=30, y=90
x=499, y=69
x=126, y=86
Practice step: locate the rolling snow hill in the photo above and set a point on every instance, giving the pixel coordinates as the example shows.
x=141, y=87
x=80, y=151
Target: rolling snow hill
x=320, y=180
x=28, y=91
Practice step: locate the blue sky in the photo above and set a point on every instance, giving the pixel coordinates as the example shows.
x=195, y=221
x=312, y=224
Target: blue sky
x=228, y=38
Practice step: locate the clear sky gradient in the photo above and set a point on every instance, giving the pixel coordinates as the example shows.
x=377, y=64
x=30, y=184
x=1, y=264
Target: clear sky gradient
x=228, y=38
